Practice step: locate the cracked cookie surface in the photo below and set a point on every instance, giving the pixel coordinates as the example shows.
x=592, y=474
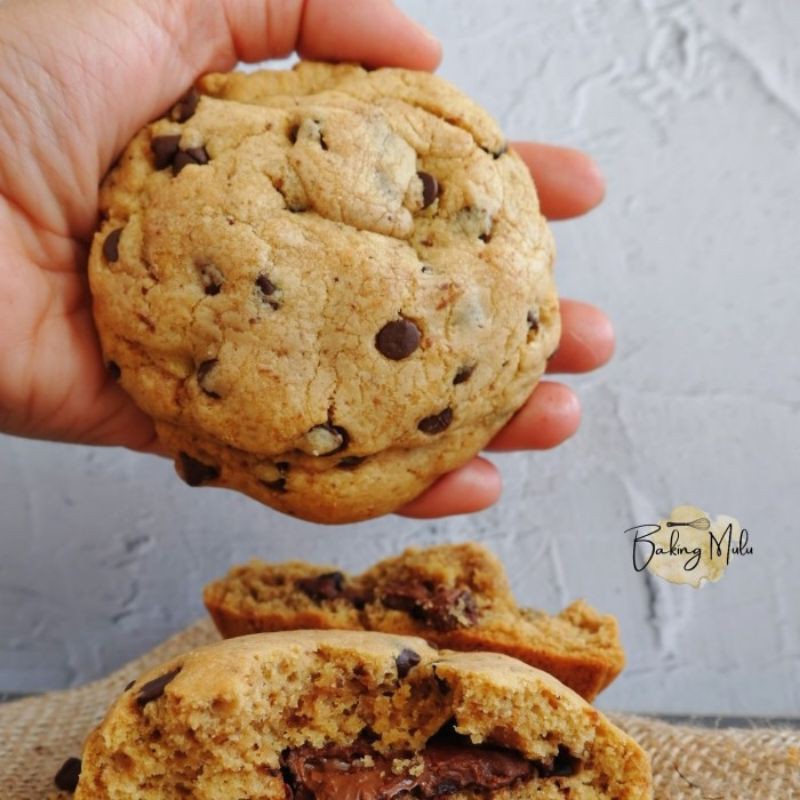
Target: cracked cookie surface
x=327, y=286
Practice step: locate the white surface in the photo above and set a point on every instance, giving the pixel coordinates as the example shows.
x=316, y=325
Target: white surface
x=693, y=111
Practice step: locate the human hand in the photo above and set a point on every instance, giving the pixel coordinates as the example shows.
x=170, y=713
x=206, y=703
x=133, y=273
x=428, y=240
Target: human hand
x=77, y=81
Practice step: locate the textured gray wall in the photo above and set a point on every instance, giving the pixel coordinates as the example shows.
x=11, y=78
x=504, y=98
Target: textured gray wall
x=693, y=110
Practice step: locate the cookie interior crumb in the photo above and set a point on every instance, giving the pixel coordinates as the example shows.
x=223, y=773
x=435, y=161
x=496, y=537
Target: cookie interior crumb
x=455, y=596
x=242, y=718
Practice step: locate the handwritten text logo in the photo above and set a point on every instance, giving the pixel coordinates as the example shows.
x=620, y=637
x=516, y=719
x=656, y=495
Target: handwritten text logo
x=689, y=547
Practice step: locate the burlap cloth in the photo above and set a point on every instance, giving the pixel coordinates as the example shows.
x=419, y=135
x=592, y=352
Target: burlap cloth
x=38, y=733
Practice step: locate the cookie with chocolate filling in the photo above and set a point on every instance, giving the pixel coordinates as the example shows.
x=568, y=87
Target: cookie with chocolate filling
x=344, y=715
x=328, y=286
x=455, y=596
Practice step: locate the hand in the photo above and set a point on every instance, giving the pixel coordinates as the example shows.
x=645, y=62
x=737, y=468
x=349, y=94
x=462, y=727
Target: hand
x=77, y=81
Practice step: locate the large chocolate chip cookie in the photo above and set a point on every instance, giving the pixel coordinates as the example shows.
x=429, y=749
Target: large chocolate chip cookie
x=341, y=715
x=327, y=286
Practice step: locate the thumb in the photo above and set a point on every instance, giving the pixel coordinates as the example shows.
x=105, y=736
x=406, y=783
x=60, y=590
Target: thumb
x=91, y=74
x=371, y=32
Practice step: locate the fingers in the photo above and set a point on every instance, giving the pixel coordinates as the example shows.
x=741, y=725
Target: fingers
x=117, y=422
x=569, y=183
x=473, y=487
x=127, y=427
x=587, y=339
x=550, y=416
x=371, y=32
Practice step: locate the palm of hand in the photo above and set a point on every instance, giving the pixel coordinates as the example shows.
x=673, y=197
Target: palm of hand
x=52, y=382
x=69, y=101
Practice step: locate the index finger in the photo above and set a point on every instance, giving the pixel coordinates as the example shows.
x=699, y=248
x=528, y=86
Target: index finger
x=569, y=183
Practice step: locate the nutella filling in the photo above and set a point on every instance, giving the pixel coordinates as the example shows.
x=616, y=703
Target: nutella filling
x=439, y=607
x=449, y=763
x=330, y=586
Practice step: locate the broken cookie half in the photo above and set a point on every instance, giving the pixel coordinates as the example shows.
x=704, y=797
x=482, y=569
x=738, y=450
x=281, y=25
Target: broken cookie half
x=453, y=595
x=345, y=715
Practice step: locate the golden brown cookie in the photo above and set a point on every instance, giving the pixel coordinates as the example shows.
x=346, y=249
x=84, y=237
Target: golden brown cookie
x=327, y=286
x=322, y=715
x=454, y=596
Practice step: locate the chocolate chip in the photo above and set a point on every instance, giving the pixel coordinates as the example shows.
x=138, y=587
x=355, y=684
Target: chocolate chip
x=212, y=278
x=195, y=472
x=496, y=153
x=564, y=764
x=359, y=598
x=486, y=237
x=322, y=143
x=198, y=154
x=278, y=484
x=398, y=339
x=129, y=686
x=267, y=288
x=265, y=284
x=111, y=246
x=436, y=423
x=533, y=321
x=325, y=440
x=343, y=434
x=185, y=107
x=406, y=661
x=439, y=607
x=430, y=188
x=194, y=155
x=164, y=149
x=368, y=735
x=182, y=159
x=351, y=462
x=327, y=586
x=291, y=134
x=202, y=373
x=152, y=690
x=67, y=777
x=113, y=370
x=463, y=374
x=403, y=598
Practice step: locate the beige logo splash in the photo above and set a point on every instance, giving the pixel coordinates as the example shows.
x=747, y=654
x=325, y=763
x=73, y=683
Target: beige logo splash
x=689, y=547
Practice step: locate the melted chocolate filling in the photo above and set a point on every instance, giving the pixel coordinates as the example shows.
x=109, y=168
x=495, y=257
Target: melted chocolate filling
x=439, y=607
x=449, y=763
